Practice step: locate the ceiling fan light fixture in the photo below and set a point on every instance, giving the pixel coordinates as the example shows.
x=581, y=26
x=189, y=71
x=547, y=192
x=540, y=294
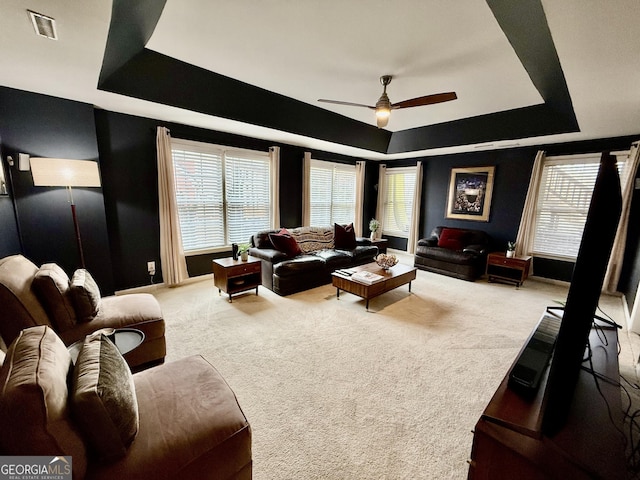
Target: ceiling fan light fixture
x=382, y=116
x=383, y=110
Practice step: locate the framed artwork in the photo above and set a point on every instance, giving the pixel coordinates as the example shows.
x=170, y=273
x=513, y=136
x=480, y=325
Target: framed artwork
x=470, y=192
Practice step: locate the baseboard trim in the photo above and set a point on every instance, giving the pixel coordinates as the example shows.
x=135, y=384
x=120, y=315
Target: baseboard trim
x=158, y=286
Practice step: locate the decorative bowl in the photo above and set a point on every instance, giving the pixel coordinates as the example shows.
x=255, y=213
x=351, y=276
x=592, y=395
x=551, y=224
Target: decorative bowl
x=386, y=261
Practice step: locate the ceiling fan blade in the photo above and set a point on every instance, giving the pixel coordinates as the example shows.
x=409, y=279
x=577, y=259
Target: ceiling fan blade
x=426, y=100
x=337, y=102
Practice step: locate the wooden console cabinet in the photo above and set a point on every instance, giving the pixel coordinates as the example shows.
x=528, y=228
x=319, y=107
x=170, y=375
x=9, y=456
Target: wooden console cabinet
x=235, y=276
x=508, y=442
x=512, y=270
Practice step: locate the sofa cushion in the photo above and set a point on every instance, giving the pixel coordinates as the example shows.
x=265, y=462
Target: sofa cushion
x=104, y=398
x=34, y=411
x=51, y=285
x=334, y=259
x=298, y=265
x=17, y=297
x=284, y=242
x=85, y=294
x=452, y=238
x=191, y=426
x=344, y=237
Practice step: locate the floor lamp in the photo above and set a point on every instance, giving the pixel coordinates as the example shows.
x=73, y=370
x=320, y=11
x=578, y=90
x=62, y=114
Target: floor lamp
x=58, y=172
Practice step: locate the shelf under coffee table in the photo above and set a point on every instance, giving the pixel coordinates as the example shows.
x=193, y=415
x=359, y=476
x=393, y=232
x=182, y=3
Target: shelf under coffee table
x=395, y=277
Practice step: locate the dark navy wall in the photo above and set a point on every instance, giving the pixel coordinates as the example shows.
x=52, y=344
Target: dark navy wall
x=128, y=156
x=119, y=222
x=44, y=126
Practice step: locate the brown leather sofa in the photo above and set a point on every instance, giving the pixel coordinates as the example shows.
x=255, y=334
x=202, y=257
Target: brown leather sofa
x=456, y=252
x=285, y=274
x=187, y=423
x=32, y=295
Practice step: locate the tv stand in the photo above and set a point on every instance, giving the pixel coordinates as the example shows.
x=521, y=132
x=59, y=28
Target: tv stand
x=508, y=441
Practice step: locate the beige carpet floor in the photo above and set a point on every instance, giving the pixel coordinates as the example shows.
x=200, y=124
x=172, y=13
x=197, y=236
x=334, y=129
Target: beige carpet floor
x=335, y=392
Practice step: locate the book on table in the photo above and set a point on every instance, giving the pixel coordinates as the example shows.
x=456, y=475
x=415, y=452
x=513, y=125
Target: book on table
x=368, y=278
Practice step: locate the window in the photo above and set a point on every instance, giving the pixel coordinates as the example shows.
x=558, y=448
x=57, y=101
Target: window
x=398, y=204
x=333, y=192
x=566, y=186
x=223, y=195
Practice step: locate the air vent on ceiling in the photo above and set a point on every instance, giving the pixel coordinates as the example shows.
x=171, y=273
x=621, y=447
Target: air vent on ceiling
x=43, y=25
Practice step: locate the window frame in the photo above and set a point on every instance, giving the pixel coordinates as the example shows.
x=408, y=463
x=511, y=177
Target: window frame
x=335, y=168
x=223, y=152
x=580, y=159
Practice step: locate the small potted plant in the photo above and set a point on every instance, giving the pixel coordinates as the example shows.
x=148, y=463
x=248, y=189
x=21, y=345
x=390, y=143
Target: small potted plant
x=374, y=225
x=511, y=249
x=243, y=250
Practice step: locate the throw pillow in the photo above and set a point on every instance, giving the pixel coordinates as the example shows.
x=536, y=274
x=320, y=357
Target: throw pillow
x=104, y=398
x=34, y=407
x=85, y=294
x=285, y=243
x=453, y=239
x=51, y=286
x=344, y=237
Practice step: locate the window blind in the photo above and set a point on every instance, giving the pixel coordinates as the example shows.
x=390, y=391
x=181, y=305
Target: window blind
x=566, y=187
x=198, y=181
x=248, y=195
x=223, y=196
x=398, y=204
x=332, y=192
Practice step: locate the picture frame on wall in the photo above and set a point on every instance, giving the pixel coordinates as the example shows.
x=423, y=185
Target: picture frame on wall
x=470, y=191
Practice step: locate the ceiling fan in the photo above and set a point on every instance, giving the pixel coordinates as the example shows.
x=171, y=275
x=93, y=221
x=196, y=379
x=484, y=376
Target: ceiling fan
x=384, y=106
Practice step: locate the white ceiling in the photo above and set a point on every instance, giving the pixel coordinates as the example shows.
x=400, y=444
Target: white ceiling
x=310, y=49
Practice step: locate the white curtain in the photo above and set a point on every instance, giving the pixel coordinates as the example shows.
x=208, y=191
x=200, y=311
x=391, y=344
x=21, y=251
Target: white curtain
x=415, y=211
x=524, y=239
x=382, y=195
x=172, y=259
x=617, y=252
x=274, y=156
x=358, y=220
x=306, y=189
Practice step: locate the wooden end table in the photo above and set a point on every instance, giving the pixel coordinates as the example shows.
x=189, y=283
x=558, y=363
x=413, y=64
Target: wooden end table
x=235, y=276
x=508, y=269
x=396, y=276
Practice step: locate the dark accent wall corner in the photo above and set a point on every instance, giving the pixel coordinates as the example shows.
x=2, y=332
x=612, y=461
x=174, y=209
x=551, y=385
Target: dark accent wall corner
x=45, y=126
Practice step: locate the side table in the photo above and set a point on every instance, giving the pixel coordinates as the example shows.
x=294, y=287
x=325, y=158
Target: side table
x=508, y=269
x=125, y=339
x=235, y=276
x=381, y=243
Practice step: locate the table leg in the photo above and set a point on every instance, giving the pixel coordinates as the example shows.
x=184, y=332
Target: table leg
x=367, y=305
x=338, y=293
x=409, y=287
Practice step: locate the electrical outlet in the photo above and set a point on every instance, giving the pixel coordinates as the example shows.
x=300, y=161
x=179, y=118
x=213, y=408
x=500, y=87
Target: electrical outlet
x=151, y=268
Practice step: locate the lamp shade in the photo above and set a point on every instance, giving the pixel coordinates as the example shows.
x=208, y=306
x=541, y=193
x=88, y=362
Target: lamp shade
x=60, y=172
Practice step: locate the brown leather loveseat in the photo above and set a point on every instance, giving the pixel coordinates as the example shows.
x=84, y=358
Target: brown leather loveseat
x=457, y=252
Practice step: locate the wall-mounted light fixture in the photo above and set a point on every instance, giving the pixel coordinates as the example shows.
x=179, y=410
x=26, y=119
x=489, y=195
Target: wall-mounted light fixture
x=59, y=172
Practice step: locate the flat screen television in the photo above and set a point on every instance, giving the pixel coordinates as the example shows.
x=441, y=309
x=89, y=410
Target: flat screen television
x=583, y=296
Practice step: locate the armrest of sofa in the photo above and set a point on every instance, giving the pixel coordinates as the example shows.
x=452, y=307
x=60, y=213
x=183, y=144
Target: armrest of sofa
x=268, y=254
x=362, y=241
x=476, y=249
x=428, y=242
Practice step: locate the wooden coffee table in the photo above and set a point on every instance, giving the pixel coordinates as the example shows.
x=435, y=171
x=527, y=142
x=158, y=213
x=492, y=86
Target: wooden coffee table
x=398, y=275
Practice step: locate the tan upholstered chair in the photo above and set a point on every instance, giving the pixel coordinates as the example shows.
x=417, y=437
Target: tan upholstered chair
x=184, y=421
x=32, y=295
